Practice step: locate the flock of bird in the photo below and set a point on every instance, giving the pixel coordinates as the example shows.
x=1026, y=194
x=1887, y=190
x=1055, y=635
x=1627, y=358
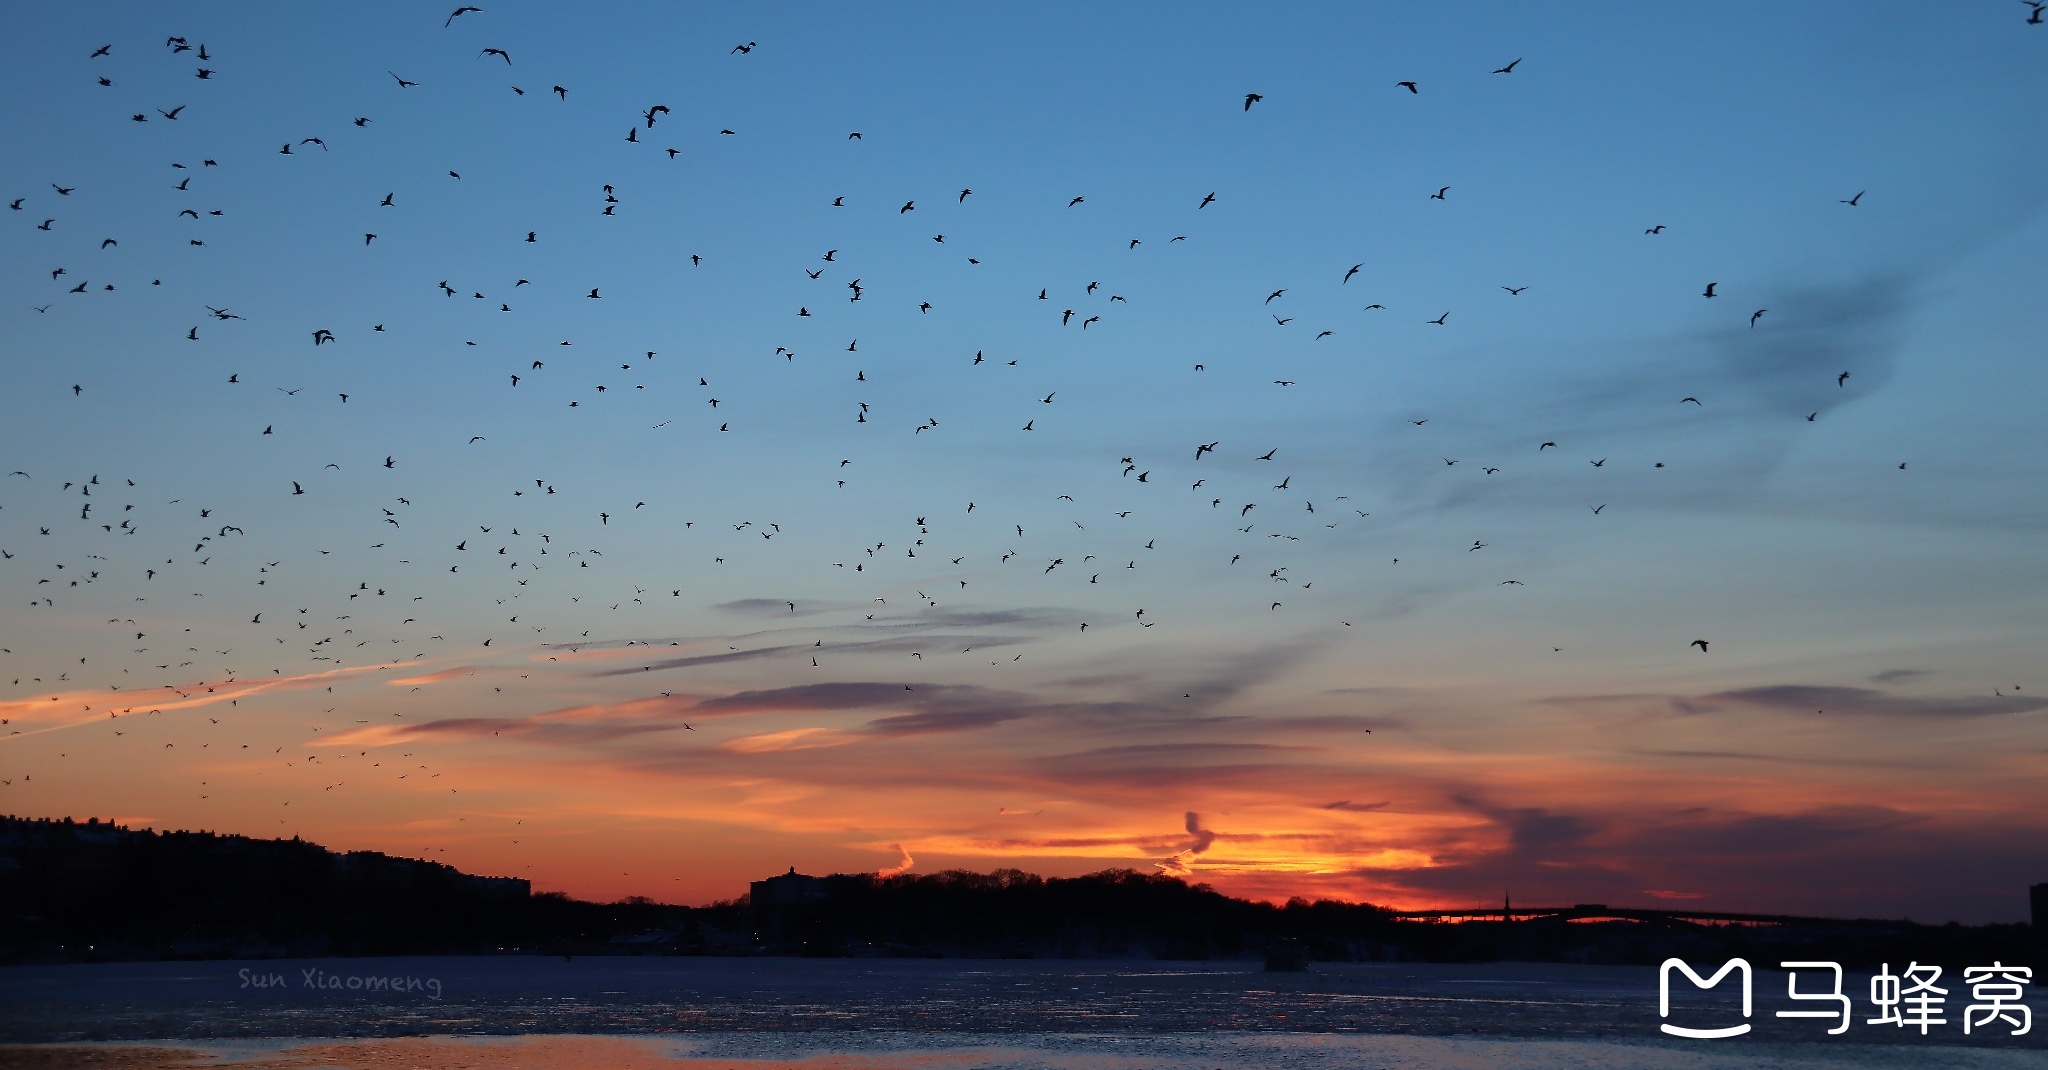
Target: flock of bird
x=55, y=562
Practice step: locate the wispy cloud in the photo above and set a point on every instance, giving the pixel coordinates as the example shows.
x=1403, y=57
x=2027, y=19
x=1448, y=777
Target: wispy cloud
x=1803, y=698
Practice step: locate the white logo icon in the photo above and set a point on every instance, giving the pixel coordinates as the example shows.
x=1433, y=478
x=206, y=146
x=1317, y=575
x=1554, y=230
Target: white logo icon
x=1664, y=997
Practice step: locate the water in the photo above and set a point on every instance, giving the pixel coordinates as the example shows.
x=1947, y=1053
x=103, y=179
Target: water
x=1073, y=1015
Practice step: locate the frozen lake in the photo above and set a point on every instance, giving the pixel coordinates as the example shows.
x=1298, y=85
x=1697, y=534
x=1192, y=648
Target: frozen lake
x=719, y=1012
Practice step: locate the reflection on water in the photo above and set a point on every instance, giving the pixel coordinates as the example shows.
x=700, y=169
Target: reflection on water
x=844, y=1004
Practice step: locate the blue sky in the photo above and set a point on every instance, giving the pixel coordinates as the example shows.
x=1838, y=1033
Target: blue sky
x=1539, y=718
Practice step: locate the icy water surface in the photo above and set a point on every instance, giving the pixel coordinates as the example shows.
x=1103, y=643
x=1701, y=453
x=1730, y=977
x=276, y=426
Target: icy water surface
x=868, y=1014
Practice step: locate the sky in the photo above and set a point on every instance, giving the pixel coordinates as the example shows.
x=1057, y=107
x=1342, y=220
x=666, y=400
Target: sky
x=1606, y=472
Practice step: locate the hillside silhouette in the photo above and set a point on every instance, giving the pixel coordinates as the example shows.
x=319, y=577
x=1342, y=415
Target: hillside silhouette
x=93, y=891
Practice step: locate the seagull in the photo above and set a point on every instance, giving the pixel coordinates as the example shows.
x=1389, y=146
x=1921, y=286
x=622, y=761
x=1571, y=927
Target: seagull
x=1353, y=271
x=1514, y=290
x=498, y=52
x=1701, y=643
x=1439, y=194
x=402, y=83
x=1409, y=86
x=1439, y=321
x=1658, y=229
x=1709, y=291
x=1206, y=201
x=463, y=10
x=1510, y=68
x=1251, y=99
x=1851, y=202
x=1757, y=315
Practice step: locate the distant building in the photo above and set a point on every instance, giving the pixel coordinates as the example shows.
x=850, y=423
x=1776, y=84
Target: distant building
x=789, y=889
x=2038, y=897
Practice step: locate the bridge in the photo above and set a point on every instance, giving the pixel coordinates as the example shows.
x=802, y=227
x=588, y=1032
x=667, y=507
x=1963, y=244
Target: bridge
x=1601, y=911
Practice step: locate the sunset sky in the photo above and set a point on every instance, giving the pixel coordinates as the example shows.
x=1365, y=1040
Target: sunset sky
x=635, y=560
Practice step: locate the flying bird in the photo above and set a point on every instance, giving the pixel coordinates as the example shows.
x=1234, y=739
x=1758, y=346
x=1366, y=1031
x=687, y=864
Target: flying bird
x=1409, y=86
x=1851, y=202
x=1251, y=99
x=1510, y=68
x=458, y=12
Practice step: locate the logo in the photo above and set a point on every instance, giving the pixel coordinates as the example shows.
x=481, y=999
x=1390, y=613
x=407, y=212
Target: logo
x=1664, y=997
x=1834, y=995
